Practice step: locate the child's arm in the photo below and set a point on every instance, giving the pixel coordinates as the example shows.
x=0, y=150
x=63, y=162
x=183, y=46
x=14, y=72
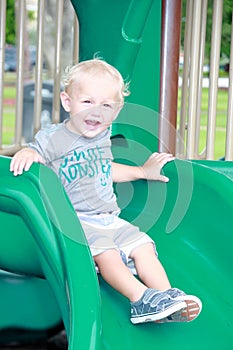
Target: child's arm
x=150, y=170
x=23, y=160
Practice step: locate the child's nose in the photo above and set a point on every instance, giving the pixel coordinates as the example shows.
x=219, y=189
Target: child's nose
x=96, y=111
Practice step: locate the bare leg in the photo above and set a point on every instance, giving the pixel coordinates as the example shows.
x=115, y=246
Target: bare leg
x=114, y=271
x=149, y=268
x=153, y=275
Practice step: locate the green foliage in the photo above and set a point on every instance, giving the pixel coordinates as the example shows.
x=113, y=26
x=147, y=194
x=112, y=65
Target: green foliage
x=10, y=22
x=226, y=27
x=221, y=113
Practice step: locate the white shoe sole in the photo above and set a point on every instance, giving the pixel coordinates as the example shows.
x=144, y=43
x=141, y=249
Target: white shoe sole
x=189, y=313
x=182, y=305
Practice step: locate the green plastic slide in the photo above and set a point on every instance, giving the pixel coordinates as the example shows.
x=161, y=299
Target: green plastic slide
x=38, y=240
x=190, y=218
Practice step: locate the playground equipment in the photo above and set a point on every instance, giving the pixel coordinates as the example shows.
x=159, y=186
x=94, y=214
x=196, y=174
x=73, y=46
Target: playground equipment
x=42, y=245
x=190, y=218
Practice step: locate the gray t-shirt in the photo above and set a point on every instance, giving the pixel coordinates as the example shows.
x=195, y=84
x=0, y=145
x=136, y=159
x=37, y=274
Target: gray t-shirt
x=84, y=166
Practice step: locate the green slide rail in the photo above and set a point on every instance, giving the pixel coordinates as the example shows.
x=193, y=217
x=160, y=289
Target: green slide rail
x=42, y=237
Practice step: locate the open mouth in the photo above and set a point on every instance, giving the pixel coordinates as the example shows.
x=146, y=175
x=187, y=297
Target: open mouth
x=92, y=124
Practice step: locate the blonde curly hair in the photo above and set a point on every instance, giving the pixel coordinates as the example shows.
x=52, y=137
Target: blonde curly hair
x=77, y=73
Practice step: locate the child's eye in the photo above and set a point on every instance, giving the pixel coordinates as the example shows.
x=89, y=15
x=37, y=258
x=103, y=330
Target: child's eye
x=86, y=101
x=107, y=105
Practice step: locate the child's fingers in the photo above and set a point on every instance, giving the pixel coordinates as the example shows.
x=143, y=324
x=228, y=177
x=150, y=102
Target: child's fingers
x=19, y=166
x=163, y=178
x=161, y=158
x=23, y=160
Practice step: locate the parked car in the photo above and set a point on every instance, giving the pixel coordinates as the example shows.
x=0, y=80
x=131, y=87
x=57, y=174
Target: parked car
x=11, y=58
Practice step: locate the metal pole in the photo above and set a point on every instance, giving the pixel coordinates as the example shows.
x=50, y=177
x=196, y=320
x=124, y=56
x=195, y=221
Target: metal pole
x=194, y=71
x=214, y=69
x=20, y=70
x=2, y=60
x=185, y=82
x=200, y=75
x=229, y=131
x=171, y=22
x=39, y=66
x=57, y=72
x=76, y=40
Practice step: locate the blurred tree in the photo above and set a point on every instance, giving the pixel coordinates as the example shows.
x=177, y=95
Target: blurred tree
x=50, y=31
x=226, y=27
x=50, y=34
x=10, y=22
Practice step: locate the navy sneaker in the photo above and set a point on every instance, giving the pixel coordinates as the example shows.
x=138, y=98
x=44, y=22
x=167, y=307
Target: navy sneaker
x=175, y=292
x=154, y=305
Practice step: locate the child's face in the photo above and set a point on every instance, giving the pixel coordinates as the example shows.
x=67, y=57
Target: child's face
x=92, y=106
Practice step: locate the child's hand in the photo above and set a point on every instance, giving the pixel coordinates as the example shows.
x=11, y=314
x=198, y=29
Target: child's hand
x=23, y=160
x=152, y=167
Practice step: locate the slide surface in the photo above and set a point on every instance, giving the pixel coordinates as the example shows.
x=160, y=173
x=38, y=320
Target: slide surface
x=191, y=221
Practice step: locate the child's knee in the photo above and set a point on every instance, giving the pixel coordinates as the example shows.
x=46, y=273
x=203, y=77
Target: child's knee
x=105, y=255
x=146, y=248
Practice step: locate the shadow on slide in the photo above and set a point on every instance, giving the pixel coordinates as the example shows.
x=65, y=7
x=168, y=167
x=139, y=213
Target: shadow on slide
x=41, y=240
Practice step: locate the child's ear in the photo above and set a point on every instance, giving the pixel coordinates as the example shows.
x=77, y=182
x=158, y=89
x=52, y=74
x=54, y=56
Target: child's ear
x=65, y=100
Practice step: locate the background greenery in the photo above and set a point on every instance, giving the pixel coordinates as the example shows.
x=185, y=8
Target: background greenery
x=221, y=117
x=10, y=24
x=10, y=92
x=226, y=28
x=9, y=117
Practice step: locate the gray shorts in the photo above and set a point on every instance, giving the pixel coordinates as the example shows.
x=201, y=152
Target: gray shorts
x=107, y=231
